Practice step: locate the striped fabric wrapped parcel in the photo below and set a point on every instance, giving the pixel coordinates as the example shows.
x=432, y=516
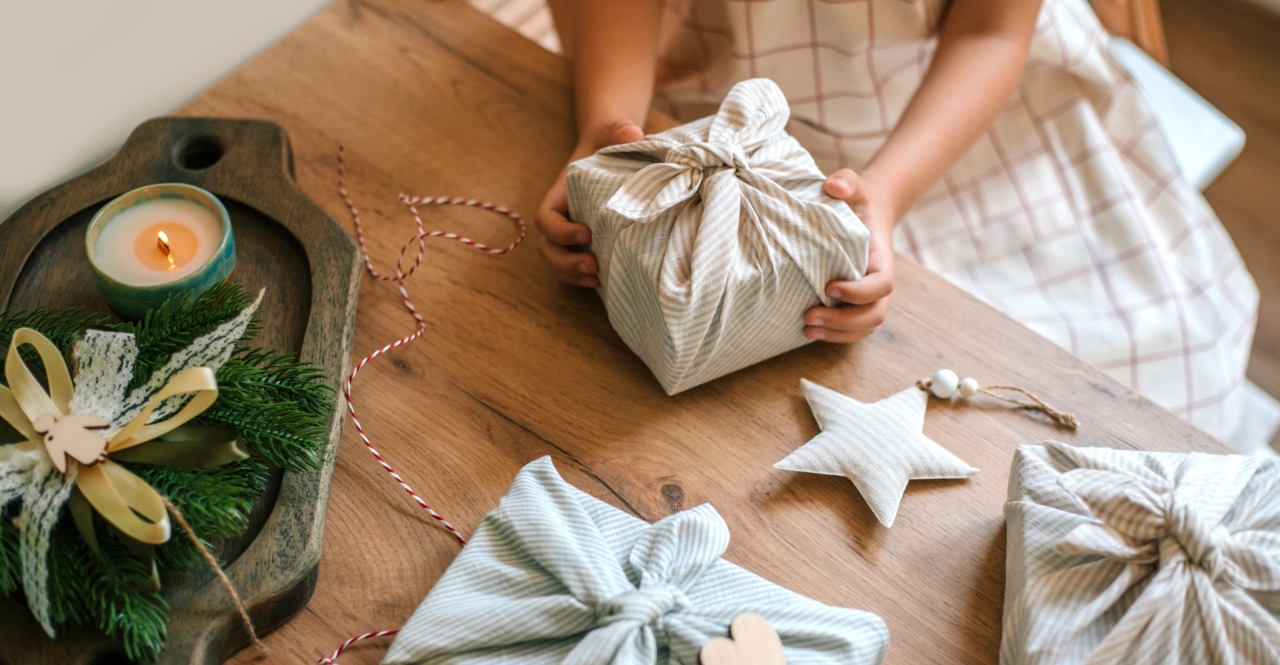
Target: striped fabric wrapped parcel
x=1120, y=556
x=553, y=576
x=714, y=238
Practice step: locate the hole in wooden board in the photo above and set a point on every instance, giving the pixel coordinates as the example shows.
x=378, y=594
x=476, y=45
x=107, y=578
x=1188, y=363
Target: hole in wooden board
x=199, y=152
x=113, y=657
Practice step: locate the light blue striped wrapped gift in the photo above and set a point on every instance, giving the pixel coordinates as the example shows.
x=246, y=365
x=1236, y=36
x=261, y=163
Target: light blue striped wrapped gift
x=556, y=576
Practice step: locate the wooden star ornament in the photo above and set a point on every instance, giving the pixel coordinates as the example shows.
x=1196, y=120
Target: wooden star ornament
x=879, y=446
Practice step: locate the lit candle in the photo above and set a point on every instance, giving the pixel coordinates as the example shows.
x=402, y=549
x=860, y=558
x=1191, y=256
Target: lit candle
x=157, y=241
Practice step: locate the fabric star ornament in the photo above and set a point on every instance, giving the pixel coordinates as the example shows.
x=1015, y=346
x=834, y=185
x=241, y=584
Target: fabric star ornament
x=879, y=446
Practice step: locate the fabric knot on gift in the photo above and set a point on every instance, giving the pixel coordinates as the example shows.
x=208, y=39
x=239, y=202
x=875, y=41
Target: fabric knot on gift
x=752, y=114
x=714, y=238
x=1192, y=537
x=644, y=607
x=555, y=576
x=1144, y=519
x=636, y=621
x=1126, y=556
x=709, y=155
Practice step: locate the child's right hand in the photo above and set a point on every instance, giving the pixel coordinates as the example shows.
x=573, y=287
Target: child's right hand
x=563, y=241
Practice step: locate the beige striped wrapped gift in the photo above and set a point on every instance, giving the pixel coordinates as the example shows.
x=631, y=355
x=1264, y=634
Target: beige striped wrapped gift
x=714, y=238
x=1120, y=556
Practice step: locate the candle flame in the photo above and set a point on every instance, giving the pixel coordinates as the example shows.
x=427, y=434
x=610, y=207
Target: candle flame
x=162, y=241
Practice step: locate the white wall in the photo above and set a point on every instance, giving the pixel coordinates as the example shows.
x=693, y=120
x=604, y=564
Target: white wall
x=76, y=76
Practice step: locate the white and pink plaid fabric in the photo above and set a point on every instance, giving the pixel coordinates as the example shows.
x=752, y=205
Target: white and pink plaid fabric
x=1069, y=214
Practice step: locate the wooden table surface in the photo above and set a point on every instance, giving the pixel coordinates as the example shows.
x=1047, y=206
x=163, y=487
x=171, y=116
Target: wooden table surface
x=434, y=98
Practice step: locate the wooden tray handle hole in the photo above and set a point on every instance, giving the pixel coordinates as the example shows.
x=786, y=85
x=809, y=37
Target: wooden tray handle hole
x=113, y=657
x=199, y=152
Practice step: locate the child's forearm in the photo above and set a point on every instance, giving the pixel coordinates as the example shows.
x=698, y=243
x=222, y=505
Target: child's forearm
x=982, y=49
x=614, y=62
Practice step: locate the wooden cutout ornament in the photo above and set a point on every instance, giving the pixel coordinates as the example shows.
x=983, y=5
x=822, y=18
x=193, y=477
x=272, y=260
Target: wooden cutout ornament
x=751, y=641
x=72, y=436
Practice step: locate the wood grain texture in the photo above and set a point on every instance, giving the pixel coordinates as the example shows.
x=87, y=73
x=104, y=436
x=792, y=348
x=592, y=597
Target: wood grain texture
x=433, y=98
x=311, y=270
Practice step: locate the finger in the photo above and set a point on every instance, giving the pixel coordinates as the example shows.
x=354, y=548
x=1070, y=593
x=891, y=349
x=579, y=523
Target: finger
x=571, y=266
x=623, y=131
x=557, y=197
x=836, y=336
x=843, y=184
x=851, y=318
x=560, y=229
x=872, y=288
x=626, y=132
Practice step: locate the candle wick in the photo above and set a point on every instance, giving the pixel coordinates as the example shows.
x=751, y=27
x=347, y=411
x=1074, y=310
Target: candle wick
x=162, y=240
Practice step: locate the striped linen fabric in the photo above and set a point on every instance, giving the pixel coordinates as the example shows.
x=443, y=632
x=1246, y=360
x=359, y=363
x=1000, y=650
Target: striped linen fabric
x=714, y=238
x=553, y=575
x=1136, y=557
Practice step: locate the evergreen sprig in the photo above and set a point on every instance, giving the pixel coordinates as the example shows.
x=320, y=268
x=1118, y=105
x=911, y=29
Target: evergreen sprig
x=177, y=323
x=61, y=326
x=281, y=409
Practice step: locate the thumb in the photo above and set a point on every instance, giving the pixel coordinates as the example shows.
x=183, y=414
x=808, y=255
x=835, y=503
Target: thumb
x=626, y=132
x=844, y=185
x=623, y=131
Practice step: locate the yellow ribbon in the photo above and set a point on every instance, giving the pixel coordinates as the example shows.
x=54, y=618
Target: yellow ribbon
x=122, y=498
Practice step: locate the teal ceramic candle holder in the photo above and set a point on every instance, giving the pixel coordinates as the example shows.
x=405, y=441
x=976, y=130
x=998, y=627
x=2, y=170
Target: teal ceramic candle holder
x=133, y=300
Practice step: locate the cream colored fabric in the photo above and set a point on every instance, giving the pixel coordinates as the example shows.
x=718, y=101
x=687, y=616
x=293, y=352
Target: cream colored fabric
x=879, y=446
x=1069, y=214
x=1120, y=556
x=714, y=238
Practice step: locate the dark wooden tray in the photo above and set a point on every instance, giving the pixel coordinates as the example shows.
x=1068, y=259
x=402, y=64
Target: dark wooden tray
x=311, y=269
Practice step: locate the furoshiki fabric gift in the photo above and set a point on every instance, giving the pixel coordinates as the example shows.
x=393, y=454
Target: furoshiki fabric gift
x=553, y=575
x=1137, y=557
x=714, y=238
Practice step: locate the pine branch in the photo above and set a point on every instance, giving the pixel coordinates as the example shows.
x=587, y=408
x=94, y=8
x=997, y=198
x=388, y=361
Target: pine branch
x=280, y=434
x=179, y=321
x=83, y=592
x=281, y=378
x=61, y=326
x=10, y=561
x=281, y=409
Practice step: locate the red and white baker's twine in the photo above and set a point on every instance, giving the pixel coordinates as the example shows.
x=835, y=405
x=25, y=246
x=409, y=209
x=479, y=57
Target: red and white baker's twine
x=332, y=659
x=412, y=202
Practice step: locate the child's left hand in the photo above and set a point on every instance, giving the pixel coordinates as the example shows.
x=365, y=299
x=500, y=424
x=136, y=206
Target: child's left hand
x=866, y=300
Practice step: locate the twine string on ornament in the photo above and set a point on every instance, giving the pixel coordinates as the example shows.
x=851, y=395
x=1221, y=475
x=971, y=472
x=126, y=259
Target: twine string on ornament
x=969, y=387
x=222, y=575
x=412, y=202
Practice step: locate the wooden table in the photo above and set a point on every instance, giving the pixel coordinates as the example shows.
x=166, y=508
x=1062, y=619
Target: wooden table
x=434, y=98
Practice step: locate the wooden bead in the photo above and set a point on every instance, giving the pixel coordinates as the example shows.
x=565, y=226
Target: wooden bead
x=969, y=387
x=944, y=384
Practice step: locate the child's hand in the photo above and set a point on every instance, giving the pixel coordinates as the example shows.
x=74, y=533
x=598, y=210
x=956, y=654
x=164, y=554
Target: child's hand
x=866, y=300
x=563, y=241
